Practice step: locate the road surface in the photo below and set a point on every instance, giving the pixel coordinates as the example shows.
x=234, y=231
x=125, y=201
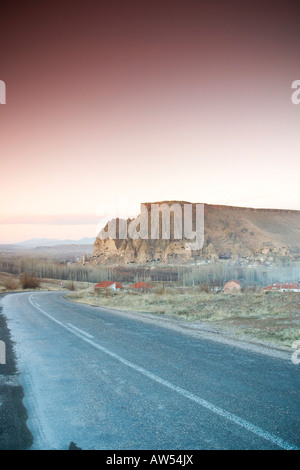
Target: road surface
x=108, y=380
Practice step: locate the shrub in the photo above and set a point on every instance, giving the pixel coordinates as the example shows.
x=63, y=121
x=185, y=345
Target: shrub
x=203, y=287
x=29, y=281
x=11, y=284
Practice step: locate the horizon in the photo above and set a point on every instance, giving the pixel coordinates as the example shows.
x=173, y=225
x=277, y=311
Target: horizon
x=105, y=219
x=116, y=104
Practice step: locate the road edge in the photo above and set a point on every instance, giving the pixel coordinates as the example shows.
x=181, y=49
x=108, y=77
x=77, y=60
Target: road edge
x=201, y=330
x=14, y=433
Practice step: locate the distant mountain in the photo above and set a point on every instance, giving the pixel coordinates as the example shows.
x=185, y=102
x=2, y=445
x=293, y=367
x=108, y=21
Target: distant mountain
x=49, y=242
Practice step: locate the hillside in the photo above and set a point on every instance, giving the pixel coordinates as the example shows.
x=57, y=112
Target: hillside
x=229, y=233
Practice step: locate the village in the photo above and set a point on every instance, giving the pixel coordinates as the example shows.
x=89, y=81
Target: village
x=229, y=286
x=268, y=314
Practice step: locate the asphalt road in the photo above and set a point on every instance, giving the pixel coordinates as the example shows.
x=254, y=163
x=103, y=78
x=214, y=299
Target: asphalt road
x=107, y=380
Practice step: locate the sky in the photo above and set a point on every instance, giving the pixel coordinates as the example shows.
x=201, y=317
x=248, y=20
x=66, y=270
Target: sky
x=115, y=103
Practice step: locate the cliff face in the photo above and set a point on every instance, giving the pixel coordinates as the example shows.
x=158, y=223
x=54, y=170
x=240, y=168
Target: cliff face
x=229, y=233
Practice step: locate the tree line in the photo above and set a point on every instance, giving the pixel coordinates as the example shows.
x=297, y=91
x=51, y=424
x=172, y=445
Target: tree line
x=207, y=274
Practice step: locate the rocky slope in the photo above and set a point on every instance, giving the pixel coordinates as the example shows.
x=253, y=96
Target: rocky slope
x=229, y=233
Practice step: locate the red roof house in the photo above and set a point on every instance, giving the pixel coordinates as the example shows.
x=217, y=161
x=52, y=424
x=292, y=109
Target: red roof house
x=108, y=285
x=142, y=285
x=284, y=287
x=232, y=286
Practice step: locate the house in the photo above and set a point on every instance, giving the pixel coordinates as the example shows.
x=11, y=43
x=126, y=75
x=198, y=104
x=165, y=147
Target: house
x=284, y=287
x=109, y=285
x=290, y=287
x=232, y=286
x=142, y=285
x=272, y=287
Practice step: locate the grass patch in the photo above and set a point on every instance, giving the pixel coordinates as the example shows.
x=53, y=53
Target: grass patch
x=272, y=317
x=11, y=282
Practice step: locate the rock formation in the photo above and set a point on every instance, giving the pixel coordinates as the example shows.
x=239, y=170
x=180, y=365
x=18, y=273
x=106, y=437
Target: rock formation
x=229, y=233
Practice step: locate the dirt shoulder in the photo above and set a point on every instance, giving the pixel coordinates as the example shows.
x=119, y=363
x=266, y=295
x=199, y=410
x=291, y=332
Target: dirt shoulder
x=14, y=434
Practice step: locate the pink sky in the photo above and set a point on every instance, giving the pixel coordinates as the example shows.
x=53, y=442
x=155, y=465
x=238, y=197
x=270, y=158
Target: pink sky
x=144, y=100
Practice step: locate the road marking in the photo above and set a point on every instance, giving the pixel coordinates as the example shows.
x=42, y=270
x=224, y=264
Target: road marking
x=80, y=331
x=69, y=328
x=191, y=396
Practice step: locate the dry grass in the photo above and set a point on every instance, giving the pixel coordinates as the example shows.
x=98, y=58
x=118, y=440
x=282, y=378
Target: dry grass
x=10, y=282
x=269, y=317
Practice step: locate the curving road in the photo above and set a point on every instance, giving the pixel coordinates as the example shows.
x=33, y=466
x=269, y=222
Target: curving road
x=110, y=380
